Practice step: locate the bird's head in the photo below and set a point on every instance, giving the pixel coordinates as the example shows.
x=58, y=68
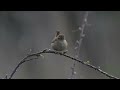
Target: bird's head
x=61, y=37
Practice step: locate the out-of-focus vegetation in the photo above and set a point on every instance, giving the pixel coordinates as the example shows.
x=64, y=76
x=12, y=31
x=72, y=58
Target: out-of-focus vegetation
x=22, y=31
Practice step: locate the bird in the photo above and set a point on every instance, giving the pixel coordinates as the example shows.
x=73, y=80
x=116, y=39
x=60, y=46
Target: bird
x=59, y=43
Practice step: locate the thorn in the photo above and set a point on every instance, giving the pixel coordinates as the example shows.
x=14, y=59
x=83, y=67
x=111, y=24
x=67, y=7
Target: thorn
x=87, y=62
x=30, y=50
x=42, y=56
x=45, y=50
x=77, y=42
x=49, y=49
x=65, y=52
x=98, y=67
x=80, y=28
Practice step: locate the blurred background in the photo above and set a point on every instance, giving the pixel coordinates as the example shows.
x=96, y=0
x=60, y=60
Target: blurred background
x=25, y=31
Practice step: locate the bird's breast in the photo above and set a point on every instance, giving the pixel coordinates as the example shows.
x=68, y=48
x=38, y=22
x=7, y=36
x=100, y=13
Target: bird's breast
x=59, y=45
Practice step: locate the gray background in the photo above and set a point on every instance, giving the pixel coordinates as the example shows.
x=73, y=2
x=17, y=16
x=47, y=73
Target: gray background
x=21, y=31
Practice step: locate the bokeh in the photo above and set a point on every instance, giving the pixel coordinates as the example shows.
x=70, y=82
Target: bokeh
x=27, y=32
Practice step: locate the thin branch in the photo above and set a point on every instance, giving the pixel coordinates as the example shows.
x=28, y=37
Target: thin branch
x=21, y=62
x=79, y=42
x=58, y=53
x=82, y=30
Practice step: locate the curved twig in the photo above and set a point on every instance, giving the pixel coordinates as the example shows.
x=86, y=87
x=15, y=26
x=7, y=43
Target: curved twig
x=62, y=54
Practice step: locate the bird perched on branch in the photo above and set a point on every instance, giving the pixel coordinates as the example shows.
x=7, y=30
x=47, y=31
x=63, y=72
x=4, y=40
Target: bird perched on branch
x=59, y=42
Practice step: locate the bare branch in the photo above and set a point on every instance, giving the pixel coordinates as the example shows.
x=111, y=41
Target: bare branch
x=21, y=62
x=58, y=53
x=79, y=42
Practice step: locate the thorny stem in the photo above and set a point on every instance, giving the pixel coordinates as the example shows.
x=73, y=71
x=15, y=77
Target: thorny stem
x=15, y=70
x=62, y=54
x=21, y=62
x=80, y=40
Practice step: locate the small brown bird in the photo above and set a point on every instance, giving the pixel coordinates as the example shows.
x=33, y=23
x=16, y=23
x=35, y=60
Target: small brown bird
x=59, y=43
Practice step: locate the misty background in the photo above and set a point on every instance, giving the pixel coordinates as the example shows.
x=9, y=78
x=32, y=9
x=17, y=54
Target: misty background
x=25, y=31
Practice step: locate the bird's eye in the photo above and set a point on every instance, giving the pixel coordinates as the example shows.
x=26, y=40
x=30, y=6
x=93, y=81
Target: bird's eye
x=59, y=37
